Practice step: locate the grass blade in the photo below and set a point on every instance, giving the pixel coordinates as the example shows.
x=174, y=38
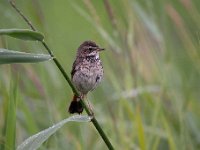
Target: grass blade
x=36, y=140
x=141, y=134
x=10, y=56
x=23, y=34
x=170, y=138
x=148, y=21
x=10, y=131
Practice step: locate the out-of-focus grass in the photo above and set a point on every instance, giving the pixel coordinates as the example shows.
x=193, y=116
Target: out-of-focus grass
x=149, y=98
x=9, y=110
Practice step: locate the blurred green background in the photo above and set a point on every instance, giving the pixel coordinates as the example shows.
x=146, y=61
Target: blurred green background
x=150, y=96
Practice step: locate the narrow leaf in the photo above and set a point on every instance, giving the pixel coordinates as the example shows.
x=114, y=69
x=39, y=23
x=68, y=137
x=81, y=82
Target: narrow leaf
x=148, y=22
x=10, y=56
x=36, y=140
x=170, y=136
x=10, y=132
x=141, y=134
x=23, y=34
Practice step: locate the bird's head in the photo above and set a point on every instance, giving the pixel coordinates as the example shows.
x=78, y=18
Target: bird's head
x=89, y=48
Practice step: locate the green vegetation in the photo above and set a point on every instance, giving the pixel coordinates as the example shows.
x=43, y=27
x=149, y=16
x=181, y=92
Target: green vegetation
x=149, y=98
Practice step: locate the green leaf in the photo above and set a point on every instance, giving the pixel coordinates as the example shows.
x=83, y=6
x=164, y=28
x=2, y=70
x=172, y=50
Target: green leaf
x=36, y=140
x=10, y=56
x=23, y=34
x=140, y=129
x=10, y=126
x=170, y=137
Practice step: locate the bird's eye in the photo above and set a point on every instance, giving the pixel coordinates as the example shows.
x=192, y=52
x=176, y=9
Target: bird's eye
x=90, y=48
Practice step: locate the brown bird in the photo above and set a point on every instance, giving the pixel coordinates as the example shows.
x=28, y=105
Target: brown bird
x=86, y=74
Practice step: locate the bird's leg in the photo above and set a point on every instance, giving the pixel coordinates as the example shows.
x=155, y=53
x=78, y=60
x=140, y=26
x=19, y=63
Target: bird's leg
x=82, y=96
x=89, y=106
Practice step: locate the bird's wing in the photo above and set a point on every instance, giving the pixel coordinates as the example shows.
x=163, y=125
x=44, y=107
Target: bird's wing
x=73, y=69
x=76, y=65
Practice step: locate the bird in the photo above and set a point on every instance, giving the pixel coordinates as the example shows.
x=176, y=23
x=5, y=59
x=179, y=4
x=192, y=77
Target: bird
x=87, y=72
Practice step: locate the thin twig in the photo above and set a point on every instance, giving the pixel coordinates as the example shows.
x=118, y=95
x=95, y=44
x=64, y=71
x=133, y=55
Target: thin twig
x=19, y=12
x=94, y=121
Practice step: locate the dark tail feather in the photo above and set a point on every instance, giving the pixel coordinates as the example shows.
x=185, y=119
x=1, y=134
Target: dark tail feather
x=75, y=106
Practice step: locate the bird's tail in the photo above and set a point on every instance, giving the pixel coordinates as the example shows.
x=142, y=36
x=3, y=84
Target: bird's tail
x=75, y=106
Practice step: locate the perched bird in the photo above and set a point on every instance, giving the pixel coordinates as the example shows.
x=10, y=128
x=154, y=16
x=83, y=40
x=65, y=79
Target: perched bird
x=86, y=74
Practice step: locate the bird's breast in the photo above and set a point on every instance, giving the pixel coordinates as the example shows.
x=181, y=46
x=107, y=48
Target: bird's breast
x=88, y=76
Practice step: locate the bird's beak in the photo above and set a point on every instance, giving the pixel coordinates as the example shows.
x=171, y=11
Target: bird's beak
x=101, y=49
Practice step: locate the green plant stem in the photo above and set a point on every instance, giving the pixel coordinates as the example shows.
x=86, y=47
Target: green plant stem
x=93, y=120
